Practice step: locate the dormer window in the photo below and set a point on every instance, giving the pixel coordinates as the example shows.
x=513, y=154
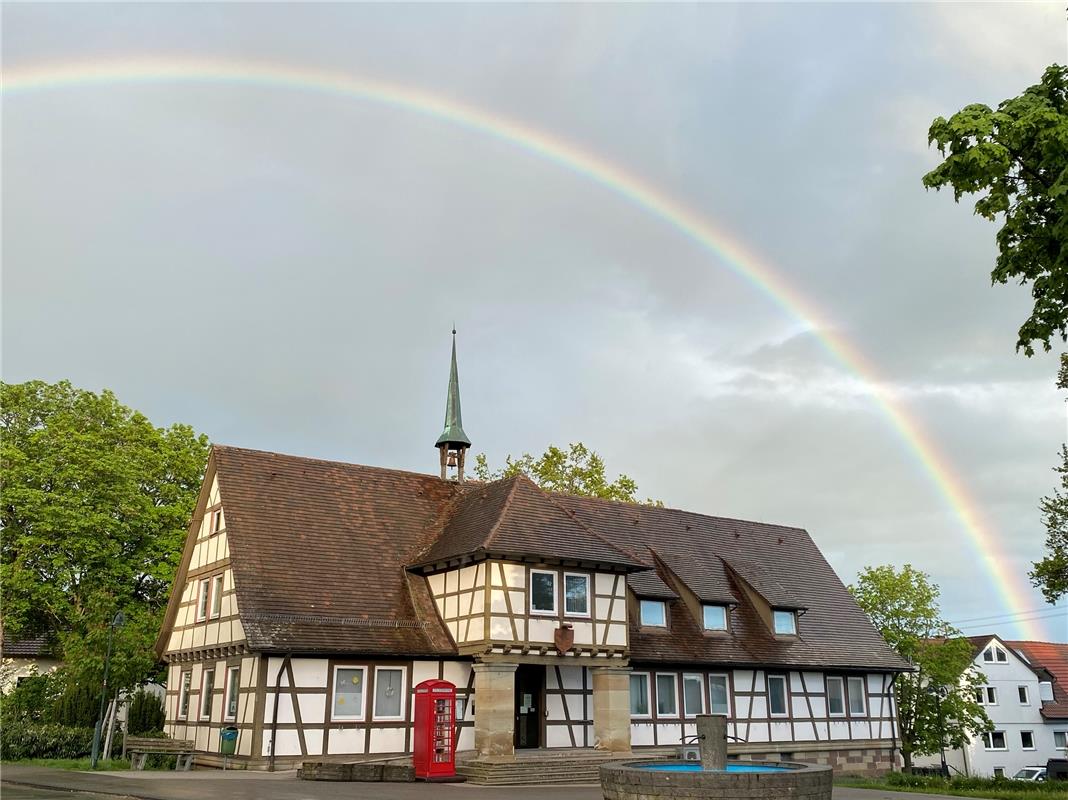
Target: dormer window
x=785, y=622
x=994, y=654
x=542, y=591
x=654, y=613
x=715, y=618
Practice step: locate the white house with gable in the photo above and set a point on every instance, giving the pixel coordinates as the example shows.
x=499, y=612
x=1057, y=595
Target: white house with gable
x=1018, y=696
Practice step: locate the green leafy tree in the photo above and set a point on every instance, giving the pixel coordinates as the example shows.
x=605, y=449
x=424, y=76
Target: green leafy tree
x=1051, y=573
x=1017, y=158
x=94, y=503
x=577, y=470
x=936, y=703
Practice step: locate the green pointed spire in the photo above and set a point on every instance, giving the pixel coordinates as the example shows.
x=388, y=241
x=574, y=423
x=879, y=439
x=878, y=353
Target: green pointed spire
x=453, y=435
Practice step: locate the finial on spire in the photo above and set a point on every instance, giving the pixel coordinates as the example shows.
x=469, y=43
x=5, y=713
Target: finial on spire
x=453, y=442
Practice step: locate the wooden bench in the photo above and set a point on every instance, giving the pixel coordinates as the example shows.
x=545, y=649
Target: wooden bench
x=140, y=748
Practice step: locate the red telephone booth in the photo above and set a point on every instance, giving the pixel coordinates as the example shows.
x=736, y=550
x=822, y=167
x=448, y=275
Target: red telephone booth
x=434, y=755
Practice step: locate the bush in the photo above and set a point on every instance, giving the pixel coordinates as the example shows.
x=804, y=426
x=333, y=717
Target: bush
x=28, y=740
x=145, y=714
x=77, y=706
x=28, y=701
x=960, y=784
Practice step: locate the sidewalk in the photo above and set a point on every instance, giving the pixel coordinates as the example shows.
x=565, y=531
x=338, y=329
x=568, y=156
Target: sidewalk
x=242, y=785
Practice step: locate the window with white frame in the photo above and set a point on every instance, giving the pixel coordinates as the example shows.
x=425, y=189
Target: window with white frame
x=777, y=696
x=389, y=693
x=203, y=599
x=350, y=691
x=693, y=695
x=994, y=654
x=216, y=520
x=835, y=696
x=855, y=690
x=715, y=618
x=542, y=591
x=1027, y=740
x=991, y=695
x=216, y=596
x=1045, y=691
x=233, y=691
x=183, y=695
x=785, y=623
x=639, y=694
x=576, y=594
x=719, y=692
x=207, y=693
x=999, y=772
x=667, y=704
x=461, y=708
x=654, y=613
x=1025, y=698
x=1060, y=740
x=994, y=740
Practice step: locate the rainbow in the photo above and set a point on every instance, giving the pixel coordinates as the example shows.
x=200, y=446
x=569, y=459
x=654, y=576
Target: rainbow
x=1014, y=592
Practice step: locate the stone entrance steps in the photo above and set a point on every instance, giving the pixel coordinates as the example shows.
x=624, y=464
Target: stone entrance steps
x=546, y=767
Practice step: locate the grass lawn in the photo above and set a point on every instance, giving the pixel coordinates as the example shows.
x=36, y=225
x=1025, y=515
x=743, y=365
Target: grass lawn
x=73, y=763
x=967, y=787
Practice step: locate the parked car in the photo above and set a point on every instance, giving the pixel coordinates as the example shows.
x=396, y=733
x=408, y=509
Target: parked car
x=1030, y=774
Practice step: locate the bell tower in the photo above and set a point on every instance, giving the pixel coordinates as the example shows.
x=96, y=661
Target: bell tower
x=453, y=442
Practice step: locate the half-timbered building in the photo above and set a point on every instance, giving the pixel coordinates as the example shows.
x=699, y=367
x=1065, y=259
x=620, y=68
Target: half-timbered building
x=313, y=596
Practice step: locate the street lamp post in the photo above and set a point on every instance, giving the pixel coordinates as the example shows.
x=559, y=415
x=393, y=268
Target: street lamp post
x=116, y=622
x=939, y=694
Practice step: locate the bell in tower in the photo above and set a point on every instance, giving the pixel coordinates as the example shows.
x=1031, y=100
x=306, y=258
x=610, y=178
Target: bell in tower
x=453, y=442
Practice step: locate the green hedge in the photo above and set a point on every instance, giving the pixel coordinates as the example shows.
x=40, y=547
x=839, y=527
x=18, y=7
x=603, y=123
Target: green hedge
x=25, y=740
x=960, y=783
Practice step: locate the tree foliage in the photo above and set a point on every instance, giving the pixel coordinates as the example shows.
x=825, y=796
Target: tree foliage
x=576, y=470
x=1051, y=573
x=95, y=502
x=1017, y=158
x=937, y=702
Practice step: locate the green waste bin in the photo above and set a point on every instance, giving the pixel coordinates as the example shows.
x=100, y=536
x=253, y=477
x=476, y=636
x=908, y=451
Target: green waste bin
x=228, y=740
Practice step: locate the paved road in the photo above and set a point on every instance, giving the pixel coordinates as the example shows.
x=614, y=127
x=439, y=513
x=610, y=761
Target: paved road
x=40, y=783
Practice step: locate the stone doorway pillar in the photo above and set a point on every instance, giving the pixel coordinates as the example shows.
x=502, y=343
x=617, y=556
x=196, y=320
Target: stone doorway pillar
x=611, y=708
x=495, y=711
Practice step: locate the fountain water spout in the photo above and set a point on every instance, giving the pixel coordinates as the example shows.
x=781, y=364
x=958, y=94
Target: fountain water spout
x=712, y=740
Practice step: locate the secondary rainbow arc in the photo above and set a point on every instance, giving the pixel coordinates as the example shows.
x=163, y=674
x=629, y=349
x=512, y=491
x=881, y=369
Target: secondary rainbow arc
x=730, y=252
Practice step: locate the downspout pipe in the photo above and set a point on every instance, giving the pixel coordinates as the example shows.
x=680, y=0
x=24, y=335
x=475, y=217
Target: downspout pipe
x=274, y=714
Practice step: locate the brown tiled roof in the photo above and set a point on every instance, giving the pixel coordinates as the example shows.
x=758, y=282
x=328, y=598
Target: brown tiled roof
x=833, y=631
x=649, y=584
x=763, y=583
x=513, y=517
x=319, y=552
x=318, y=548
x=704, y=573
x=1053, y=658
x=35, y=647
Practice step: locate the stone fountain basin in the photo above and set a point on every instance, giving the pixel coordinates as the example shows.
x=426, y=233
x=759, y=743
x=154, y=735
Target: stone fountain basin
x=649, y=780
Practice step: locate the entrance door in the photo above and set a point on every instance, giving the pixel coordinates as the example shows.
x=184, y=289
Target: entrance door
x=529, y=697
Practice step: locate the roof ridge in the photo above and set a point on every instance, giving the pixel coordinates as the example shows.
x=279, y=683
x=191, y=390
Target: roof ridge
x=689, y=513
x=317, y=460
x=599, y=537
x=504, y=509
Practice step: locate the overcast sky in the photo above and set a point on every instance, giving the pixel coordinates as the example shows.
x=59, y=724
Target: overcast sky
x=280, y=268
